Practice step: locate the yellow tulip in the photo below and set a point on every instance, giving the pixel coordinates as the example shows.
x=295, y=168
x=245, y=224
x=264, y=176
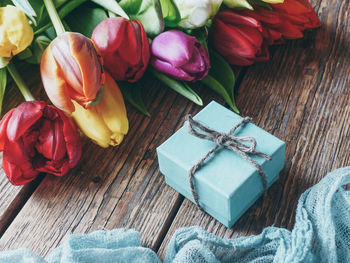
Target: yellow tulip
x=105, y=123
x=15, y=32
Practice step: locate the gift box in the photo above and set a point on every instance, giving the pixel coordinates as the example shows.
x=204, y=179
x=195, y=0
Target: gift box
x=226, y=184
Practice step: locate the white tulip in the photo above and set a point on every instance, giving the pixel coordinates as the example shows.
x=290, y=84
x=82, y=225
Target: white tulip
x=196, y=13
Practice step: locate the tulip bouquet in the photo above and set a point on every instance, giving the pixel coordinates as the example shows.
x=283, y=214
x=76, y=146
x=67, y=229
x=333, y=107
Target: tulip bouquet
x=86, y=47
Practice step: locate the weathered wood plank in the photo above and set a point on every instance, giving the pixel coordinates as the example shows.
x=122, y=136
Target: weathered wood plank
x=302, y=96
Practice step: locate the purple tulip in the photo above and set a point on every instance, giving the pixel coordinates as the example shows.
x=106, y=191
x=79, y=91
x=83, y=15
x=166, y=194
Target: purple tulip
x=179, y=55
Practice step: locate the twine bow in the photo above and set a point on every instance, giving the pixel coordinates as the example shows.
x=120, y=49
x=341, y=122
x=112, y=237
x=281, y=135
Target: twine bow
x=233, y=143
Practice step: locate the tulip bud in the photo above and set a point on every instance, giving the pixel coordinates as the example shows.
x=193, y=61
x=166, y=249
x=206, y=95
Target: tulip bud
x=196, y=13
x=238, y=38
x=124, y=48
x=36, y=137
x=15, y=32
x=179, y=55
x=71, y=70
x=105, y=123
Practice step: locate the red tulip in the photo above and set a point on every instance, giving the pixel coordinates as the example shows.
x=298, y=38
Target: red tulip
x=124, y=48
x=238, y=38
x=286, y=20
x=270, y=21
x=36, y=137
x=71, y=69
x=297, y=15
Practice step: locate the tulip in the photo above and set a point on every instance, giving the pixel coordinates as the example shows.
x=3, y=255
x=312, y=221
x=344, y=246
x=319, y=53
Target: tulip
x=272, y=24
x=279, y=24
x=179, y=55
x=15, y=32
x=124, y=48
x=297, y=15
x=238, y=38
x=71, y=70
x=196, y=13
x=105, y=123
x=36, y=137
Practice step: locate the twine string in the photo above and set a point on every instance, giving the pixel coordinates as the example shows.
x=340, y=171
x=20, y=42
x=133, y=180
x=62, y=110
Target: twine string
x=226, y=140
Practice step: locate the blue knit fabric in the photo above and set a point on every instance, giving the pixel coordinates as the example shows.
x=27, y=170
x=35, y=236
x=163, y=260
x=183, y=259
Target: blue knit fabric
x=321, y=234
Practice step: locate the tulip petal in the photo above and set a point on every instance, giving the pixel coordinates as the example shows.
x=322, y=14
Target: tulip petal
x=92, y=125
x=229, y=40
x=54, y=83
x=23, y=118
x=65, y=149
x=3, y=129
x=168, y=69
x=195, y=64
x=105, y=123
x=61, y=50
x=173, y=46
x=15, y=32
x=107, y=34
x=116, y=119
x=17, y=164
x=124, y=47
x=84, y=53
x=16, y=175
x=236, y=19
x=71, y=138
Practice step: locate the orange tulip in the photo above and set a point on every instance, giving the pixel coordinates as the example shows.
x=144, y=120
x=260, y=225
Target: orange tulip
x=71, y=69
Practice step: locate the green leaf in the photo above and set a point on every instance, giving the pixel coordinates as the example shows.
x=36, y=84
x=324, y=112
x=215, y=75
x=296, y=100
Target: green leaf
x=5, y=2
x=202, y=35
x=260, y=3
x=238, y=4
x=38, y=47
x=222, y=72
x=85, y=19
x=62, y=13
x=132, y=94
x=26, y=7
x=3, y=82
x=27, y=53
x=42, y=17
x=179, y=86
x=59, y=3
x=170, y=12
x=113, y=6
x=217, y=87
x=131, y=6
x=148, y=12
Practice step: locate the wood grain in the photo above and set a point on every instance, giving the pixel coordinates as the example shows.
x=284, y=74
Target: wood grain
x=302, y=96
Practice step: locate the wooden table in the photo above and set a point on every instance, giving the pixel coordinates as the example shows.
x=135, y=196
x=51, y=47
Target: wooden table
x=301, y=95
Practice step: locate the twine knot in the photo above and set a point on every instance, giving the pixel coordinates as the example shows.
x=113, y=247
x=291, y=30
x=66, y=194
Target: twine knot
x=221, y=139
x=240, y=145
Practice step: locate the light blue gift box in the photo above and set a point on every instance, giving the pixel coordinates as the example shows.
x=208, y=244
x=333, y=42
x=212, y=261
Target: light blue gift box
x=227, y=185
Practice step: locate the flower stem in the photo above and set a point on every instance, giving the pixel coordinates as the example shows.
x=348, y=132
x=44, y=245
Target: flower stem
x=55, y=19
x=20, y=83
